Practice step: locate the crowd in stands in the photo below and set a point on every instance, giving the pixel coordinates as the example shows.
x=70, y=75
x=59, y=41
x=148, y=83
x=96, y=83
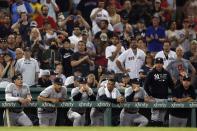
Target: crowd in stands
x=109, y=43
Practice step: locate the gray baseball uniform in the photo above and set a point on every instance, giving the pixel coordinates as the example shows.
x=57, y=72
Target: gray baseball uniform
x=130, y=116
x=97, y=114
x=16, y=116
x=47, y=116
x=77, y=115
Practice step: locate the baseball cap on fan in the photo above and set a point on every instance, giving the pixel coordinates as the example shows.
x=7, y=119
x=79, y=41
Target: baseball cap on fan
x=159, y=60
x=136, y=81
x=186, y=78
x=33, y=24
x=58, y=81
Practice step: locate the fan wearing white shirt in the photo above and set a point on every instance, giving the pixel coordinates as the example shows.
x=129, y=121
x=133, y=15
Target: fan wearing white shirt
x=186, y=35
x=112, y=52
x=99, y=14
x=28, y=67
x=132, y=59
x=172, y=35
x=75, y=38
x=167, y=54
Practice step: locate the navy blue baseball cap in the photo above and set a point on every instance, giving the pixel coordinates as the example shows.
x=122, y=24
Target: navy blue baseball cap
x=159, y=60
x=186, y=78
x=82, y=80
x=58, y=81
x=125, y=75
x=135, y=81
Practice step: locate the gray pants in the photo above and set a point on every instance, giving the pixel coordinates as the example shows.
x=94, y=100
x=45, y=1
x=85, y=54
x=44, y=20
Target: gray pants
x=97, y=117
x=127, y=119
x=158, y=115
x=177, y=122
x=47, y=119
x=16, y=119
x=78, y=119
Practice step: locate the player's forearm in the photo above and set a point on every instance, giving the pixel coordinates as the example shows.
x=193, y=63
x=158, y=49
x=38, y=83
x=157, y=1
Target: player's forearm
x=8, y=97
x=118, y=63
x=44, y=99
x=187, y=99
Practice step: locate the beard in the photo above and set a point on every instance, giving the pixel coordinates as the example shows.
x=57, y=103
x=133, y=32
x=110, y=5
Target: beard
x=45, y=14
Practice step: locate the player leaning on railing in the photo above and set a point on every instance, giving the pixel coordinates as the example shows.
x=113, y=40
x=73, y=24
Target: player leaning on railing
x=17, y=92
x=54, y=94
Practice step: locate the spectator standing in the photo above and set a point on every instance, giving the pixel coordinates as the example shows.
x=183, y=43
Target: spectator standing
x=131, y=60
x=11, y=40
x=75, y=37
x=85, y=7
x=180, y=66
x=127, y=10
x=22, y=26
x=172, y=35
x=186, y=35
x=98, y=14
x=43, y=18
x=20, y=6
x=52, y=6
x=28, y=67
x=81, y=60
x=5, y=26
x=167, y=54
x=113, y=16
x=65, y=6
x=112, y=52
x=19, y=54
x=51, y=56
x=36, y=6
x=66, y=54
x=155, y=35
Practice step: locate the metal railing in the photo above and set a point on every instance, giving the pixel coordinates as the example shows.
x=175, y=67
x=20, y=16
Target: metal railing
x=109, y=106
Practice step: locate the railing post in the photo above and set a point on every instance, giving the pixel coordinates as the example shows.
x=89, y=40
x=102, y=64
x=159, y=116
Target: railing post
x=108, y=117
x=193, y=117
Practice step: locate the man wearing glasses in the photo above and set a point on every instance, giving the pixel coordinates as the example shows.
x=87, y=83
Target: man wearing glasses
x=17, y=92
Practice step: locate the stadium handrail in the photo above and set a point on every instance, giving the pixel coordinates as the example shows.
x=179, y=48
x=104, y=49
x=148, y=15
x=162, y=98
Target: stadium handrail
x=109, y=106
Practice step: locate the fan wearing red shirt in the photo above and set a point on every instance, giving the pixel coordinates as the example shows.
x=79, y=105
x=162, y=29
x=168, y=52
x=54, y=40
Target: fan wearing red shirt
x=43, y=18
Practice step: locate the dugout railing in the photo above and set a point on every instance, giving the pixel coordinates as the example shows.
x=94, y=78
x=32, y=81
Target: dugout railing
x=109, y=106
